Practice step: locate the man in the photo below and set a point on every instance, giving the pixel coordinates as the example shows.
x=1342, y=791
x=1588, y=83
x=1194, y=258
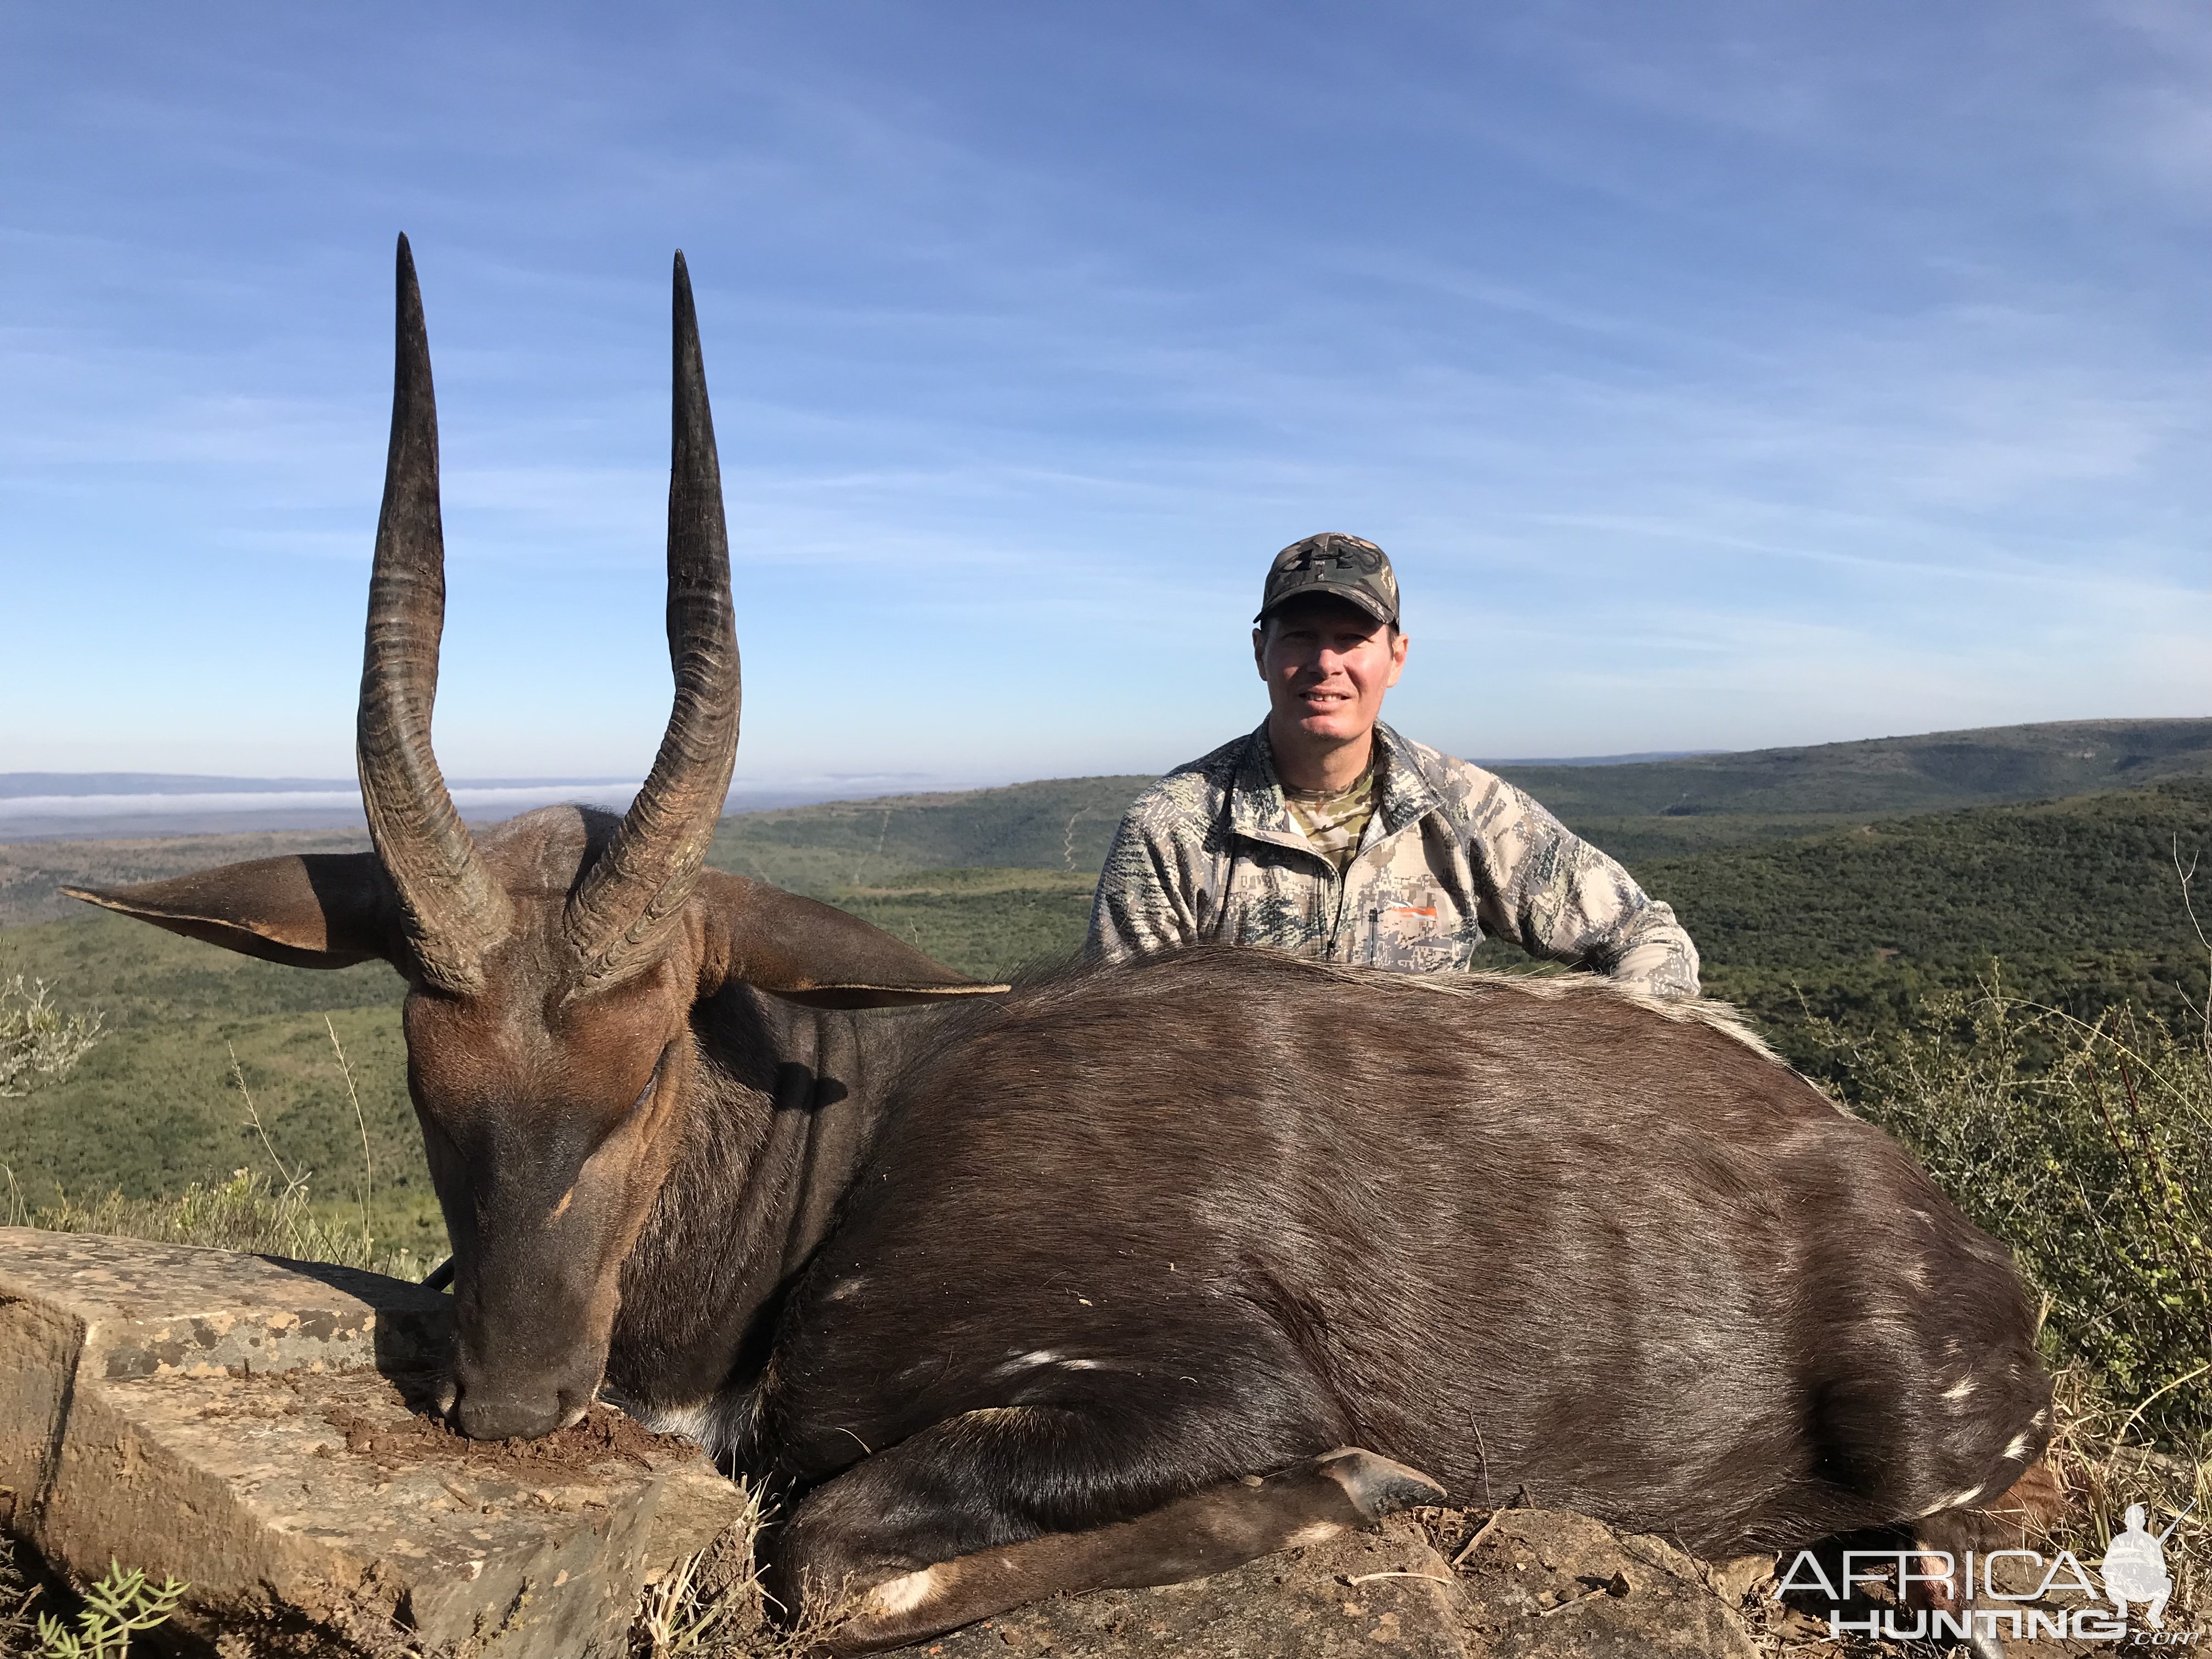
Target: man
x=1327, y=834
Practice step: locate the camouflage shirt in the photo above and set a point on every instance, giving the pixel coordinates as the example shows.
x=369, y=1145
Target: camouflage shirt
x=1334, y=821
x=1211, y=854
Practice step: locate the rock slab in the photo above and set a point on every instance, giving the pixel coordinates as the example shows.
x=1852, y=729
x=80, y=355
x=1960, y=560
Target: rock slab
x=1362, y=1594
x=253, y=1426
x=1542, y=1584
x=1550, y=1585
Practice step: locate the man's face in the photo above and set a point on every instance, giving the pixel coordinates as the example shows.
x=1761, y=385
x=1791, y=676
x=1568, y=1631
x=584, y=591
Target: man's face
x=1327, y=664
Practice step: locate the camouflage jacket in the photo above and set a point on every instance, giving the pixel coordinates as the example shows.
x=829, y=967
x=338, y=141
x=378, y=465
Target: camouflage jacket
x=1211, y=854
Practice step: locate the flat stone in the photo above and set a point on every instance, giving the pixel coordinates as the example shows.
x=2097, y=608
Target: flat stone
x=1548, y=1584
x=79, y=1309
x=1367, y=1594
x=255, y=1427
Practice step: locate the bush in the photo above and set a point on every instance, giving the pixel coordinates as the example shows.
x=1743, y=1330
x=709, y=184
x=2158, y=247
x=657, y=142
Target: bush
x=117, y=1607
x=2086, y=1146
x=38, y=1042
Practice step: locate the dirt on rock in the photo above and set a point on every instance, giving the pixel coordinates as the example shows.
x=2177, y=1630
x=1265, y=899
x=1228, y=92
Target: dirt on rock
x=394, y=1423
x=604, y=1435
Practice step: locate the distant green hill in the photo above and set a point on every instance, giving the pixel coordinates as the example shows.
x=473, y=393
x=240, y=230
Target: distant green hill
x=153, y=1106
x=1640, y=810
x=2080, y=900
x=1677, y=808
x=2066, y=878
x=1883, y=777
x=1062, y=823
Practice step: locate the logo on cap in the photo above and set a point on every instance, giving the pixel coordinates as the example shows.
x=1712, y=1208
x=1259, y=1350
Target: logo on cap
x=1335, y=566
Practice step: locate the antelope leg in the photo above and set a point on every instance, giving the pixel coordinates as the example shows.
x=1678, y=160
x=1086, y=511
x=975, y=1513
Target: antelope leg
x=1209, y=1531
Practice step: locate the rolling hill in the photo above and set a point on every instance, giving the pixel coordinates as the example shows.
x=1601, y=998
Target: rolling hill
x=1886, y=776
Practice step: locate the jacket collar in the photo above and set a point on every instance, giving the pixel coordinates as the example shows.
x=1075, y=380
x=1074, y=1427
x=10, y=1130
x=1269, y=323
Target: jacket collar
x=1257, y=810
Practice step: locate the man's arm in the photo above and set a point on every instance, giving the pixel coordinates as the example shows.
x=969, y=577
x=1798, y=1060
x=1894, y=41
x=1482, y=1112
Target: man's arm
x=1558, y=897
x=1144, y=901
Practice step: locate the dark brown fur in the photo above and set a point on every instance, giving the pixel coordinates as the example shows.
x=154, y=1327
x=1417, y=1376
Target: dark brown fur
x=1211, y=1213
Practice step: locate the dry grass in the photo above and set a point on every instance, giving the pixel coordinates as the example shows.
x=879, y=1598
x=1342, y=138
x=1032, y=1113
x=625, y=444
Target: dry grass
x=2107, y=1465
x=249, y=1213
x=19, y=1595
x=713, y=1605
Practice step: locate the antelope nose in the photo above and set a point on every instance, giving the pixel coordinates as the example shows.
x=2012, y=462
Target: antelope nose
x=496, y=1414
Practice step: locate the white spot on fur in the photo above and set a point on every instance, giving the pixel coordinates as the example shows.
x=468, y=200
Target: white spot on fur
x=691, y=1421
x=1023, y=1362
x=903, y=1594
x=1956, y=1501
x=1960, y=1389
x=2019, y=1447
x=844, y=1288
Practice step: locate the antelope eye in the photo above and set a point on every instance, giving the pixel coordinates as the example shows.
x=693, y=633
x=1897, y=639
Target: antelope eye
x=645, y=1095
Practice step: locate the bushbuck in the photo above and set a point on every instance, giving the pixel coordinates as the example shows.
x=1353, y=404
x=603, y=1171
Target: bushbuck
x=1135, y=1272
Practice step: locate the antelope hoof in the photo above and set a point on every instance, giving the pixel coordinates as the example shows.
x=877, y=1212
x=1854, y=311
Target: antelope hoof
x=1376, y=1485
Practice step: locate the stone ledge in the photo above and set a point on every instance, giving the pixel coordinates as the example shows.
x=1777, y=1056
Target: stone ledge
x=253, y=1426
x=148, y=1310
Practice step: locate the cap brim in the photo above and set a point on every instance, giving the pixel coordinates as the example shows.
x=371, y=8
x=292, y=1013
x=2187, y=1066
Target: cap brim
x=1326, y=590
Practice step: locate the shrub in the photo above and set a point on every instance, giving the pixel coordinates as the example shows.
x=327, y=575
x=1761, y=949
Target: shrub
x=2087, y=1145
x=38, y=1042
x=120, y=1605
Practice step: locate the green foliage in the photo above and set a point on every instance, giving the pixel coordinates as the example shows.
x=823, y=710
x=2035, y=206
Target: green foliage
x=987, y=923
x=38, y=1043
x=119, y=1607
x=2087, y=1145
x=2058, y=881
x=2080, y=898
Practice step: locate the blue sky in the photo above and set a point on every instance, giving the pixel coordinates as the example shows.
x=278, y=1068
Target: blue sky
x=1718, y=375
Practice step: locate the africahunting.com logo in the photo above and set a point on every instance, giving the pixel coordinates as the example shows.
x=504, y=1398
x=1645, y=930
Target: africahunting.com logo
x=1989, y=1595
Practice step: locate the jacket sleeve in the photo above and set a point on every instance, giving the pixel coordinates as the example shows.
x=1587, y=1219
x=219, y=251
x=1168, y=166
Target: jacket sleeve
x=1145, y=901
x=1558, y=897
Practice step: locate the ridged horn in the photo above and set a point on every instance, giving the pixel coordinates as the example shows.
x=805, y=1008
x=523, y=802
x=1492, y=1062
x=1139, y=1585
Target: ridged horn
x=648, y=870
x=452, y=910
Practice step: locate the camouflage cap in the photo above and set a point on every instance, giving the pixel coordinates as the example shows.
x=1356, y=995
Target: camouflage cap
x=1334, y=566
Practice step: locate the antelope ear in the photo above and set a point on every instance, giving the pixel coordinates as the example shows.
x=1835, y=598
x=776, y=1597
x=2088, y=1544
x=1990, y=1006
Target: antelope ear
x=314, y=911
x=815, y=954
